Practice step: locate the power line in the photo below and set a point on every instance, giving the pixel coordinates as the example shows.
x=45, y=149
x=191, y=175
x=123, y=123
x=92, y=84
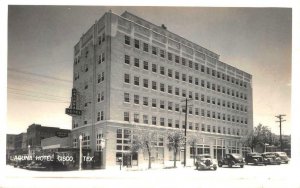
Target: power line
x=36, y=97
x=30, y=92
x=40, y=75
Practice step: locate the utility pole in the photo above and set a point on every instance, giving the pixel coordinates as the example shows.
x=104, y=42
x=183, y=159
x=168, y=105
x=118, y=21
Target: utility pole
x=280, y=121
x=184, y=163
x=185, y=129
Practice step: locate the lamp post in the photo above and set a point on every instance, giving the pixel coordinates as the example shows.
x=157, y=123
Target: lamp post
x=80, y=151
x=266, y=147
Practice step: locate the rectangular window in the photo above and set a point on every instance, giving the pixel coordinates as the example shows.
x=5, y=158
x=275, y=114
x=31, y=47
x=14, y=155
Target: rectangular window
x=176, y=75
x=196, y=96
x=208, y=85
x=126, y=97
x=145, y=83
x=196, y=66
x=213, y=73
x=202, y=112
x=136, y=118
x=154, y=103
x=170, y=123
x=184, y=77
x=162, y=70
x=177, y=107
x=170, y=56
x=176, y=123
x=208, y=113
x=177, y=91
x=136, y=81
x=190, y=94
x=208, y=128
x=126, y=116
x=127, y=59
x=176, y=59
x=196, y=111
x=136, y=62
x=202, y=83
x=127, y=40
x=170, y=106
x=154, y=68
x=154, y=87
x=102, y=115
x=146, y=47
x=202, y=68
x=153, y=120
x=170, y=89
x=162, y=104
x=136, y=43
x=191, y=64
x=154, y=50
x=202, y=97
x=162, y=87
x=170, y=73
x=162, y=121
x=145, y=101
x=146, y=67
x=190, y=79
x=183, y=62
x=162, y=53
x=126, y=78
x=145, y=119
x=183, y=93
x=136, y=99
x=196, y=81
x=202, y=127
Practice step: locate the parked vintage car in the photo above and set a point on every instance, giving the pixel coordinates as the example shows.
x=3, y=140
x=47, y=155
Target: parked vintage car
x=255, y=158
x=271, y=158
x=232, y=159
x=205, y=162
x=282, y=155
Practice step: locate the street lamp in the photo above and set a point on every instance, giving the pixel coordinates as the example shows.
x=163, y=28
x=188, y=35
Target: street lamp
x=266, y=144
x=80, y=151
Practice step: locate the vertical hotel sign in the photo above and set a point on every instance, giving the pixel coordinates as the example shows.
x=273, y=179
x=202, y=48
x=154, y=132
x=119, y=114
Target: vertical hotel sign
x=72, y=110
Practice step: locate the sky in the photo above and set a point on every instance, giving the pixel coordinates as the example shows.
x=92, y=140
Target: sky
x=40, y=55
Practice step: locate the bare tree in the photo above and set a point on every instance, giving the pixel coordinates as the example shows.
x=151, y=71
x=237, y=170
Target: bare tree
x=175, y=141
x=144, y=140
x=193, y=138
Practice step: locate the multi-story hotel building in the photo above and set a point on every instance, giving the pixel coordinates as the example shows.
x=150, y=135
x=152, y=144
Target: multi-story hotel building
x=131, y=73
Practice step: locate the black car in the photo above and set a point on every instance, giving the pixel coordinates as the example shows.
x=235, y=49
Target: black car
x=232, y=159
x=255, y=158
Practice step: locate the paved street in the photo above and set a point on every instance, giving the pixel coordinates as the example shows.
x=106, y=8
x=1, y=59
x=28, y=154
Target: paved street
x=272, y=176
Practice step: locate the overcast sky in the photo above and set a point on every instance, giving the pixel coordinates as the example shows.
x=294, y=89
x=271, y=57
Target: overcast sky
x=41, y=41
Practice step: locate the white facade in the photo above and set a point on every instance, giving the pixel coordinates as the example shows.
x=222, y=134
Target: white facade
x=128, y=71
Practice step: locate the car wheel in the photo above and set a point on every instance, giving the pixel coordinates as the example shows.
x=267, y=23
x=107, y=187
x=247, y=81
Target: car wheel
x=242, y=166
x=219, y=164
x=230, y=165
x=286, y=162
x=215, y=168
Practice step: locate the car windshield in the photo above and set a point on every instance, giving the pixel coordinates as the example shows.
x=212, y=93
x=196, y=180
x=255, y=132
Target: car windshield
x=269, y=155
x=237, y=156
x=282, y=154
x=204, y=157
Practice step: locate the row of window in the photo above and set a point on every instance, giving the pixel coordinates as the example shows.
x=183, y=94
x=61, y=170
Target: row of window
x=168, y=88
x=209, y=100
x=181, y=60
x=198, y=112
x=176, y=124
